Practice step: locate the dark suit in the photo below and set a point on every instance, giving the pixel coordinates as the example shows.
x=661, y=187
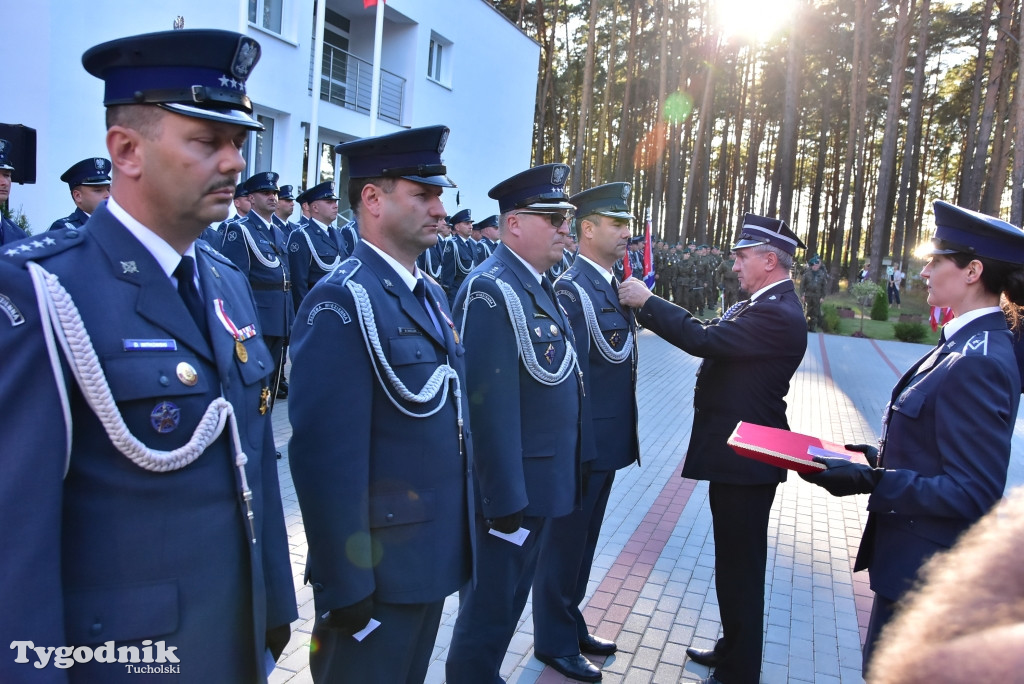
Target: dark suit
x=609, y=373
x=946, y=453
x=458, y=260
x=265, y=265
x=312, y=254
x=75, y=219
x=119, y=552
x=526, y=452
x=386, y=497
x=10, y=231
x=749, y=361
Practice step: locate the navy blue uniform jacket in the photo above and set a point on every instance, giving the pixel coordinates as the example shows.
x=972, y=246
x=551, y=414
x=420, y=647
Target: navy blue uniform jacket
x=270, y=284
x=609, y=386
x=75, y=219
x=386, y=498
x=946, y=452
x=526, y=433
x=305, y=271
x=748, y=363
x=110, y=551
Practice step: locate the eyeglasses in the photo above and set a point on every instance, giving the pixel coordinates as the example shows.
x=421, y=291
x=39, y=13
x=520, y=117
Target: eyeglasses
x=554, y=217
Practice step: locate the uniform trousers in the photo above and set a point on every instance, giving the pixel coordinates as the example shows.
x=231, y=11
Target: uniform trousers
x=397, y=652
x=881, y=612
x=566, y=557
x=489, y=611
x=740, y=520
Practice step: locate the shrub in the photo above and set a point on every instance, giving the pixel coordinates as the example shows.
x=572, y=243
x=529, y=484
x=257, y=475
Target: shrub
x=829, y=318
x=906, y=331
x=880, y=308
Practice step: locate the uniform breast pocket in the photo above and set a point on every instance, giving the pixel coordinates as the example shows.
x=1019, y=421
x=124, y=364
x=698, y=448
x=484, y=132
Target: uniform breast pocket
x=122, y=613
x=548, y=344
x=614, y=329
x=910, y=403
x=409, y=350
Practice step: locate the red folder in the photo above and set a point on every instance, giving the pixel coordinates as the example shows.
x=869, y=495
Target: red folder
x=785, y=449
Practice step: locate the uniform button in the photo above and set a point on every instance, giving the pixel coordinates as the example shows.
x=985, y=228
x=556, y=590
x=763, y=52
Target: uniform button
x=389, y=517
x=70, y=233
x=419, y=354
x=164, y=380
x=317, y=586
x=260, y=363
x=487, y=501
x=96, y=628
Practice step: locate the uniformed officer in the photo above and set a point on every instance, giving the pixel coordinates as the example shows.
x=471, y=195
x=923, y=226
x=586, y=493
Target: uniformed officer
x=315, y=249
x=729, y=280
x=380, y=450
x=563, y=264
x=475, y=238
x=89, y=182
x=489, y=234
x=285, y=209
x=214, y=235
x=146, y=508
x=945, y=446
x=258, y=248
x=812, y=288
x=524, y=382
x=9, y=231
x=605, y=334
x=460, y=258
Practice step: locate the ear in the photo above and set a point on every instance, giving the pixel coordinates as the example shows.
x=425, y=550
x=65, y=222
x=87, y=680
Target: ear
x=771, y=260
x=125, y=148
x=587, y=228
x=371, y=198
x=512, y=225
x=974, y=270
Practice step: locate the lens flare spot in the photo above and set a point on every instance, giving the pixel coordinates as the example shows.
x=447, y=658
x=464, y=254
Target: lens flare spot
x=678, y=107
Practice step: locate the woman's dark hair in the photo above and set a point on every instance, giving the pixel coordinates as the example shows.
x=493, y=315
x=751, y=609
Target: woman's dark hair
x=999, y=277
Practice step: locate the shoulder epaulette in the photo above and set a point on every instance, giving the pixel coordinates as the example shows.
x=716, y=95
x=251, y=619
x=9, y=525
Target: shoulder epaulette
x=345, y=270
x=212, y=251
x=977, y=345
x=37, y=247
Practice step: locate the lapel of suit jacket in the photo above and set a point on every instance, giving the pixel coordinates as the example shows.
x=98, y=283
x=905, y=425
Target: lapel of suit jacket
x=158, y=301
x=214, y=288
x=322, y=238
x=393, y=284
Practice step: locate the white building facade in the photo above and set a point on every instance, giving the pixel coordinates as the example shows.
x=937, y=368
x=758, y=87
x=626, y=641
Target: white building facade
x=454, y=62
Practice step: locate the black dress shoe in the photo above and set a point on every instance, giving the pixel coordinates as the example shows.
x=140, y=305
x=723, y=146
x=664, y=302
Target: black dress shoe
x=595, y=645
x=711, y=679
x=704, y=656
x=574, y=667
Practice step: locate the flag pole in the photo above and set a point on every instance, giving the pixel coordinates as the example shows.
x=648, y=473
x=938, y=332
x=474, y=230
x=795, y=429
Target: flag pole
x=378, y=39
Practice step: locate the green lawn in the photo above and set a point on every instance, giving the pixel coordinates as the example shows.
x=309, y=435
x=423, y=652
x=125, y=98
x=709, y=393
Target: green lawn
x=913, y=303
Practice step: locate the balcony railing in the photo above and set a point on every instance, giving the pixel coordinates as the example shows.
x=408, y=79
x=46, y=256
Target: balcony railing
x=346, y=80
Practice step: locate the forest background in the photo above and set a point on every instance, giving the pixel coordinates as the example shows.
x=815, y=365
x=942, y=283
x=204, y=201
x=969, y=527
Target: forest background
x=844, y=118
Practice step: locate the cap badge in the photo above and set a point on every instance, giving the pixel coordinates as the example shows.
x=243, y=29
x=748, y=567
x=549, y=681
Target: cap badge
x=626, y=187
x=443, y=141
x=3, y=146
x=269, y=176
x=558, y=174
x=100, y=164
x=246, y=56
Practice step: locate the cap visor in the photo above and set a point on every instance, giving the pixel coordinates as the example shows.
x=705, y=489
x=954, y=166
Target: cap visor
x=743, y=244
x=441, y=181
x=550, y=206
x=617, y=214
x=231, y=116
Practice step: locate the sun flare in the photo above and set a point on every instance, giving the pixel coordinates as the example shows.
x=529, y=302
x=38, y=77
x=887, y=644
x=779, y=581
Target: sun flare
x=753, y=20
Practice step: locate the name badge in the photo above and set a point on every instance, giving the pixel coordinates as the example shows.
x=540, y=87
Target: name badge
x=150, y=345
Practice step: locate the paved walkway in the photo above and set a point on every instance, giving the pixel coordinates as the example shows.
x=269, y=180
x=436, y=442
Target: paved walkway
x=652, y=588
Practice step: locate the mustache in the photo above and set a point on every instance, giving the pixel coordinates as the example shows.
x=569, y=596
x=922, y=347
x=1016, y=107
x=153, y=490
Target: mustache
x=221, y=185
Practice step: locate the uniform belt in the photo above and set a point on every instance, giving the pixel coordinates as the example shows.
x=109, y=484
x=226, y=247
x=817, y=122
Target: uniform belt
x=276, y=287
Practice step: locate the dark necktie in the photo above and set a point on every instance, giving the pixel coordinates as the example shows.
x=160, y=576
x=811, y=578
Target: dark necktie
x=333, y=234
x=546, y=284
x=420, y=292
x=185, y=273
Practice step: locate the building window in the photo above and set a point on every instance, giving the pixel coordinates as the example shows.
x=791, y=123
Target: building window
x=266, y=14
x=259, y=149
x=439, y=60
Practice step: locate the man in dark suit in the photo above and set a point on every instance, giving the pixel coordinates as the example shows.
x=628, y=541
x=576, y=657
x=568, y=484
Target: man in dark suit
x=750, y=356
x=520, y=365
x=380, y=450
x=316, y=248
x=9, y=231
x=143, y=524
x=605, y=334
x=258, y=247
x=460, y=256
x=89, y=182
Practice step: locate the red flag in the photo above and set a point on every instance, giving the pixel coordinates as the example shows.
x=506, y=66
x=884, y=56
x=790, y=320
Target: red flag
x=627, y=270
x=648, y=254
x=371, y=3
x=940, y=315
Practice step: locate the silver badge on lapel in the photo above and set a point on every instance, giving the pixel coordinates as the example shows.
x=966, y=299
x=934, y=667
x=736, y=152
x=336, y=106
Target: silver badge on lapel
x=129, y=267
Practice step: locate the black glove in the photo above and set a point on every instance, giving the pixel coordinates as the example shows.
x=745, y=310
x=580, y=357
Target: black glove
x=351, y=619
x=277, y=639
x=870, y=452
x=842, y=478
x=507, y=524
